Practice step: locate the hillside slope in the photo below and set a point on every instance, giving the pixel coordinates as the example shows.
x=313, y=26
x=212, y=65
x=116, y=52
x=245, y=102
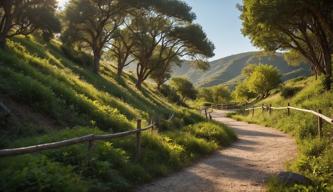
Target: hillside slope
x=228, y=70
x=53, y=96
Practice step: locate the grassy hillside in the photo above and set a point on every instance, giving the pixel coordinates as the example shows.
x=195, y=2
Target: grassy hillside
x=228, y=70
x=53, y=95
x=315, y=158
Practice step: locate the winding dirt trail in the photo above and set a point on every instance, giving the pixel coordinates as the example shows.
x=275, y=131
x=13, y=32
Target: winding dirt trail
x=244, y=166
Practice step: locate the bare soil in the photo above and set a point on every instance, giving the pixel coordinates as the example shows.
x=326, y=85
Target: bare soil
x=259, y=153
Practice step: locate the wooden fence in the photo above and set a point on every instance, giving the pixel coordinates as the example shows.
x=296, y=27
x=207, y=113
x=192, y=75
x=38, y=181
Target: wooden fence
x=90, y=139
x=320, y=117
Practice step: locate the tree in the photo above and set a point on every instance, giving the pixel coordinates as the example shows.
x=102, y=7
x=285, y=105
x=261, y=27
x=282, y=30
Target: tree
x=294, y=58
x=248, y=70
x=184, y=88
x=242, y=93
x=93, y=23
x=162, y=72
x=301, y=25
x=23, y=17
x=221, y=94
x=120, y=50
x=217, y=94
x=263, y=79
x=166, y=27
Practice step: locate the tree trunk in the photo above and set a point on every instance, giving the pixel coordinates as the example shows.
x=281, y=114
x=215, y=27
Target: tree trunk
x=159, y=86
x=139, y=83
x=328, y=75
x=97, y=58
x=2, y=41
x=119, y=70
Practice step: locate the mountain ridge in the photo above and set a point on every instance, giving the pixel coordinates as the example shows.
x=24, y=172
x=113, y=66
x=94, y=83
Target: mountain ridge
x=227, y=70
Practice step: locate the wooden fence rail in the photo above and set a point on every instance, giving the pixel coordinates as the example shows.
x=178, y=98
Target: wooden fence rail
x=318, y=114
x=90, y=139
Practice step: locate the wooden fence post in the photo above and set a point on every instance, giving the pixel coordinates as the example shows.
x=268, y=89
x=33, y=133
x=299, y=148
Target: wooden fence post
x=252, y=111
x=288, y=112
x=206, y=113
x=138, y=140
x=320, y=125
x=270, y=109
x=262, y=107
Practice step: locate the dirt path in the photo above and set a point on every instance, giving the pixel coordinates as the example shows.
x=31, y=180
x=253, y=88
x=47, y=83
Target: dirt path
x=259, y=153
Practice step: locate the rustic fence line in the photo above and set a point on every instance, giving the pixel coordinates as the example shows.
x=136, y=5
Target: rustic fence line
x=318, y=114
x=90, y=139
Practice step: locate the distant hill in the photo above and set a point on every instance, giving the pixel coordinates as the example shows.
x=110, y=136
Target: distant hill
x=228, y=69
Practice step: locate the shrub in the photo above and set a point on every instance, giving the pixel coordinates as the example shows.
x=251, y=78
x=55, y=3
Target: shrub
x=212, y=132
x=171, y=94
x=38, y=173
x=288, y=92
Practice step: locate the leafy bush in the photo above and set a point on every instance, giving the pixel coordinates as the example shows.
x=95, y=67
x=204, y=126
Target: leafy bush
x=212, y=132
x=171, y=94
x=38, y=173
x=184, y=88
x=288, y=92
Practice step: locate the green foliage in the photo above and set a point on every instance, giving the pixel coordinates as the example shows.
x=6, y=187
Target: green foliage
x=242, y=93
x=25, y=17
x=263, y=79
x=61, y=100
x=288, y=92
x=109, y=165
x=292, y=26
x=212, y=132
x=171, y=94
x=216, y=94
x=259, y=81
x=184, y=88
x=38, y=173
x=295, y=58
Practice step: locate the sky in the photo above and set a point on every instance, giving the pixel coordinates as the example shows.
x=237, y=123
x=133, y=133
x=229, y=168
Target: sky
x=220, y=20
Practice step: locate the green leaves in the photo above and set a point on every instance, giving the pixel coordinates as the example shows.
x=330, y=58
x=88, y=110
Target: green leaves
x=263, y=79
x=259, y=81
x=184, y=87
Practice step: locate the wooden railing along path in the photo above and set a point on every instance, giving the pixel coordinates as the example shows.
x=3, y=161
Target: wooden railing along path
x=318, y=114
x=90, y=139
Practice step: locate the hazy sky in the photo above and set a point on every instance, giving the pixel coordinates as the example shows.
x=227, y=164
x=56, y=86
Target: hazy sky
x=220, y=20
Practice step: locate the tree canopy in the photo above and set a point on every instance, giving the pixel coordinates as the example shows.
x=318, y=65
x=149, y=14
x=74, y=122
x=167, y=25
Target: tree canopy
x=151, y=34
x=263, y=79
x=217, y=94
x=23, y=17
x=184, y=88
x=92, y=24
x=300, y=25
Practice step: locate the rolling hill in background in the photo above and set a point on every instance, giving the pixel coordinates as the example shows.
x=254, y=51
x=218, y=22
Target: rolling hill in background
x=228, y=69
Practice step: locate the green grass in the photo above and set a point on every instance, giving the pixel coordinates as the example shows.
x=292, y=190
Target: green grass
x=109, y=165
x=315, y=157
x=53, y=97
